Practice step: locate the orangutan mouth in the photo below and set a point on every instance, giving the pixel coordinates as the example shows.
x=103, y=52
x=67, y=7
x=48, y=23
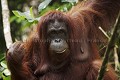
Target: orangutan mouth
x=59, y=52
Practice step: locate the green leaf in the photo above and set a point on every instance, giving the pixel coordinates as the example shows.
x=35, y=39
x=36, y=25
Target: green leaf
x=37, y=19
x=1, y=70
x=31, y=12
x=3, y=64
x=13, y=18
x=6, y=72
x=71, y=1
x=0, y=73
x=27, y=15
x=20, y=14
x=6, y=78
x=65, y=7
x=48, y=8
x=17, y=13
x=43, y=5
x=2, y=57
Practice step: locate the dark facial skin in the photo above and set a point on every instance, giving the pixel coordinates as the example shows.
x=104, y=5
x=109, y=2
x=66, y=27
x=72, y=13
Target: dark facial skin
x=57, y=36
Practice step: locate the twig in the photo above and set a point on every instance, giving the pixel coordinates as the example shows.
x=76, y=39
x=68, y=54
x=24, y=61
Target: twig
x=116, y=58
x=104, y=32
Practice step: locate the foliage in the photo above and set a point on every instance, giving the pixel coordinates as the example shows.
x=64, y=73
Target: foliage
x=28, y=15
x=43, y=5
x=43, y=8
x=4, y=72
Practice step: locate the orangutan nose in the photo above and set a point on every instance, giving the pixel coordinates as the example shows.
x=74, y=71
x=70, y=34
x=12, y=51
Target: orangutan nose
x=57, y=40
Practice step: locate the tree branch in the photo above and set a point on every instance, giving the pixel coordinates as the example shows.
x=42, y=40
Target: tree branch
x=6, y=23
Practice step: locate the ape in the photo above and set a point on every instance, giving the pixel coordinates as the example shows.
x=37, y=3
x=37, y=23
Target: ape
x=63, y=47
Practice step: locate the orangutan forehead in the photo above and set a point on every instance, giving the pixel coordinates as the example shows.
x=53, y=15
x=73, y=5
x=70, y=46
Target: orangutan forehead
x=50, y=17
x=56, y=24
x=56, y=20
